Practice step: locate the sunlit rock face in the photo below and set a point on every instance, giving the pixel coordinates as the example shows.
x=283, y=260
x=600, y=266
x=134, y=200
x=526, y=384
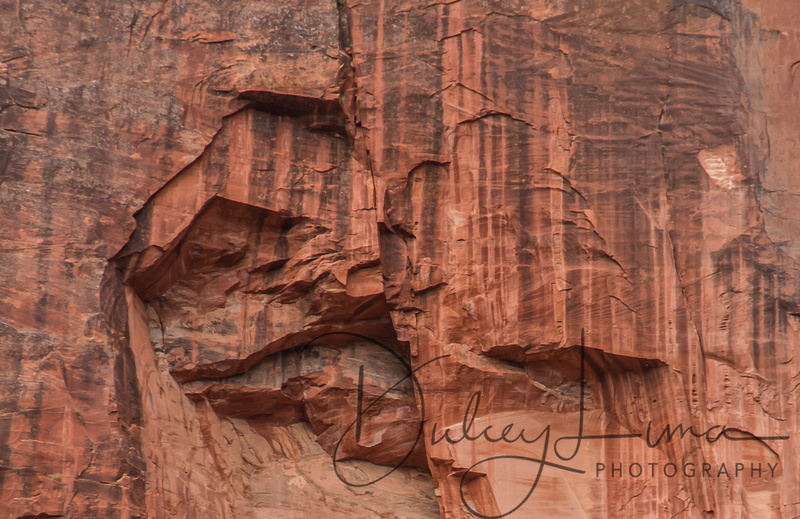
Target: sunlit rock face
x=400, y=259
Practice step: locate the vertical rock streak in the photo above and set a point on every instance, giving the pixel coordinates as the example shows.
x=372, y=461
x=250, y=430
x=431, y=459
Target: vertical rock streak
x=576, y=221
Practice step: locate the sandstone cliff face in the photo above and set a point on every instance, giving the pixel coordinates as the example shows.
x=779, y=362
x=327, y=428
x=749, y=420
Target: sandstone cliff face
x=234, y=230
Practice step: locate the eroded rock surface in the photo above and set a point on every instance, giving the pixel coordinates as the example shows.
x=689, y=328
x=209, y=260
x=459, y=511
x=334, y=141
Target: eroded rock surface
x=234, y=229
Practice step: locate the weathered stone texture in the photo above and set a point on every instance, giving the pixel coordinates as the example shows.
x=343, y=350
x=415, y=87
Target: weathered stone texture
x=231, y=225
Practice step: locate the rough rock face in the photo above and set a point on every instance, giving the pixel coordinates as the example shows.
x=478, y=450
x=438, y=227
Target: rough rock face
x=400, y=259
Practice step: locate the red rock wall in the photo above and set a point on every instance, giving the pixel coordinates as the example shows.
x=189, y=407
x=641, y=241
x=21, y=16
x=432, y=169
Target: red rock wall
x=233, y=228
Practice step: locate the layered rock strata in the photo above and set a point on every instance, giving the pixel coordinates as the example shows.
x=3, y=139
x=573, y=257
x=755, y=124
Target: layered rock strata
x=400, y=259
